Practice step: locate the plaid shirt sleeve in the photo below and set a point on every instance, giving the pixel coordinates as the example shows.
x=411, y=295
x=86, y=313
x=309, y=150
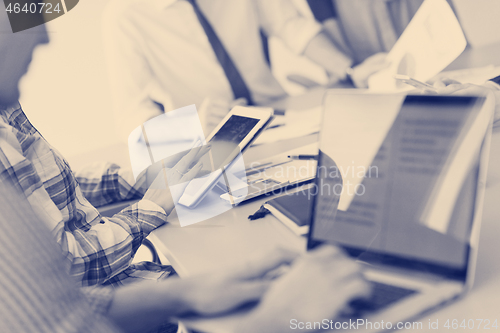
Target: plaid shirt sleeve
x=98, y=249
x=103, y=183
x=102, y=249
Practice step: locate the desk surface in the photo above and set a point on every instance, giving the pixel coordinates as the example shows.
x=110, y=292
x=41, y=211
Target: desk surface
x=230, y=237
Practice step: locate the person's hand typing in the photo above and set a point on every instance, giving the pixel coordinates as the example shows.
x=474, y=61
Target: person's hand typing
x=318, y=286
x=223, y=291
x=140, y=307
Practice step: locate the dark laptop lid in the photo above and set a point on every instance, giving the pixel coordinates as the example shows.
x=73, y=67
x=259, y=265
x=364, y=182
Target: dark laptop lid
x=405, y=170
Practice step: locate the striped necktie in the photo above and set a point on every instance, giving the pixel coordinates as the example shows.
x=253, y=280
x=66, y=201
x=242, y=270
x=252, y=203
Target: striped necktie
x=238, y=85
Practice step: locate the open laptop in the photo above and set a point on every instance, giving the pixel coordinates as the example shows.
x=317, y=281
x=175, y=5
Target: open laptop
x=407, y=174
x=361, y=129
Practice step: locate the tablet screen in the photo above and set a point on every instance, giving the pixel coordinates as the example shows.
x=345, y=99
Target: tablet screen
x=226, y=141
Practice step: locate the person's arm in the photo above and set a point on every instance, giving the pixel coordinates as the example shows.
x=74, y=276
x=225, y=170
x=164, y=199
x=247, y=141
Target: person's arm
x=325, y=12
x=322, y=51
x=333, y=29
x=305, y=36
x=281, y=19
x=143, y=306
x=302, y=35
x=38, y=294
x=99, y=249
x=96, y=247
x=317, y=287
x=131, y=80
x=103, y=183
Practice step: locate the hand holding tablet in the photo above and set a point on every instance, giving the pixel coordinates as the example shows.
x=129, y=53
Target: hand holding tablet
x=169, y=183
x=229, y=139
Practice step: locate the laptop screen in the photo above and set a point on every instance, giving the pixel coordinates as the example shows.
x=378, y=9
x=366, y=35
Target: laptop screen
x=403, y=172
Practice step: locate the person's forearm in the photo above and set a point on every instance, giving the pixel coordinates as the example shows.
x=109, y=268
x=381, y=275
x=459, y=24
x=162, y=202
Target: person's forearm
x=146, y=305
x=332, y=29
x=322, y=51
x=103, y=183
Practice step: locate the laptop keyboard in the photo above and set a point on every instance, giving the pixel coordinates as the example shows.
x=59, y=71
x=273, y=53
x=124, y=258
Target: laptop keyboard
x=382, y=296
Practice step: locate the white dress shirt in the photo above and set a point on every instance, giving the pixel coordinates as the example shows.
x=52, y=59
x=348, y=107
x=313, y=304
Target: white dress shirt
x=157, y=50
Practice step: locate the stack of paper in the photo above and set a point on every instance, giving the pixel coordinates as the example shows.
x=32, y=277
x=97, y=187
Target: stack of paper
x=430, y=42
x=295, y=123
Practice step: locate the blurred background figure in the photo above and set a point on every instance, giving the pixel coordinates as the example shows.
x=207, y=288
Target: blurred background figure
x=163, y=55
x=361, y=28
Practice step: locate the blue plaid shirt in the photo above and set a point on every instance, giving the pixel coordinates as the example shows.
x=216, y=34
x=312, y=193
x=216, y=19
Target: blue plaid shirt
x=99, y=249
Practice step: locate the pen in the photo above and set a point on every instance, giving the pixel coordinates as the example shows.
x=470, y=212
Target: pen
x=303, y=157
x=275, y=126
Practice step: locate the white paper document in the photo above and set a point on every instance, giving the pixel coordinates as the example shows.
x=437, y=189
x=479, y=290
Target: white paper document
x=430, y=42
x=295, y=123
x=438, y=211
x=364, y=118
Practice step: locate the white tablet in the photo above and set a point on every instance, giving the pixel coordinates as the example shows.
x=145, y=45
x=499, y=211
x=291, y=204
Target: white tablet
x=232, y=136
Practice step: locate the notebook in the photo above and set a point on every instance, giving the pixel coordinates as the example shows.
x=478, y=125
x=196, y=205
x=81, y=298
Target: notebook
x=293, y=210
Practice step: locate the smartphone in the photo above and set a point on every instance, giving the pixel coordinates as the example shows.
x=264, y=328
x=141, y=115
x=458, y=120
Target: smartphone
x=414, y=83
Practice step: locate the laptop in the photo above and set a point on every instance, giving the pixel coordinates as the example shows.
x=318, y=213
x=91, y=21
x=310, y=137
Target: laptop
x=412, y=271
x=400, y=184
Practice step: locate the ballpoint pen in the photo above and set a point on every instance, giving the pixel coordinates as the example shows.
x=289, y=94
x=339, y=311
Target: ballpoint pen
x=303, y=157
